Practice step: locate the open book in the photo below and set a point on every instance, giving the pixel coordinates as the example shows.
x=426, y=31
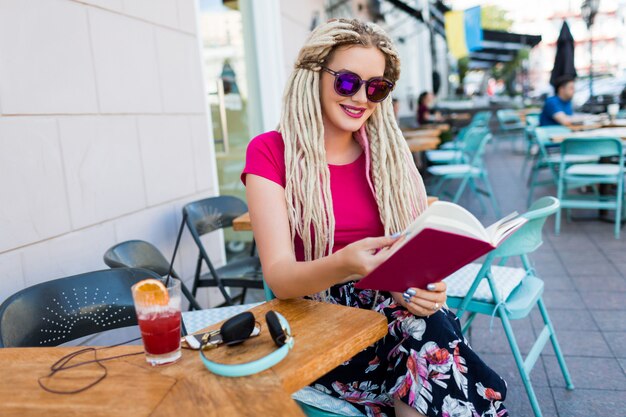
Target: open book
x=440, y=241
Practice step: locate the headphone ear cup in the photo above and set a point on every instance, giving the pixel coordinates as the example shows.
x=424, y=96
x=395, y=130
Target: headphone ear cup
x=275, y=328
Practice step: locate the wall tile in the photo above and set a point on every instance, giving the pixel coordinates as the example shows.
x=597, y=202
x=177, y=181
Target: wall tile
x=204, y=155
x=187, y=15
x=126, y=64
x=34, y=202
x=156, y=225
x=167, y=155
x=180, y=72
x=70, y=254
x=11, y=277
x=115, y=5
x=50, y=69
x=102, y=167
x=163, y=12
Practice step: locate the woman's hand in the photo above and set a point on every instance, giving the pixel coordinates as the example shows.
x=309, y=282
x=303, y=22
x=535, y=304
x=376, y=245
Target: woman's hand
x=361, y=257
x=423, y=303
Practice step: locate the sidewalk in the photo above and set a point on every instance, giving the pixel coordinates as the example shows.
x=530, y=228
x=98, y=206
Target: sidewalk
x=584, y=269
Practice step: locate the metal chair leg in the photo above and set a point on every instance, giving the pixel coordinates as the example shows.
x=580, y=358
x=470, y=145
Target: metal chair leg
x=555, y=344
x=519, y=361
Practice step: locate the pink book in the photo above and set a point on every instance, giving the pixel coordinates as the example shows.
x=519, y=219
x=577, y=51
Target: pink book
x=442, y=240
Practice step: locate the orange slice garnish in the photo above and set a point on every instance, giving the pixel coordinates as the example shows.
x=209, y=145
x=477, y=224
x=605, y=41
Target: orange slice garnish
x=151, y=292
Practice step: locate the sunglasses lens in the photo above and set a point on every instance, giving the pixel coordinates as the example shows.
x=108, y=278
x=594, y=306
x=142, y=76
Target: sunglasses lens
x=378, y=90
x=347, y=84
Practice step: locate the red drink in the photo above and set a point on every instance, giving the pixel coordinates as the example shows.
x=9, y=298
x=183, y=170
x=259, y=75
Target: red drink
x=160, y=332
x=158, y=315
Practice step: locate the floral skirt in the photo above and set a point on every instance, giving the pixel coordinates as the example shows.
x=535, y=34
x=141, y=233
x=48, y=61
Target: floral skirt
x=424, y=361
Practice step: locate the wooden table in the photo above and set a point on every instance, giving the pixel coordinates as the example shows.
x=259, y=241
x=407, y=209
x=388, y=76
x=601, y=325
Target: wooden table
x=619, y=132
x=243, y=223
x=422, y=133
x=325, y=335
x=420, y=144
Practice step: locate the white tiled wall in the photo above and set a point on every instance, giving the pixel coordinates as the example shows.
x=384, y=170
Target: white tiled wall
x=104, y=134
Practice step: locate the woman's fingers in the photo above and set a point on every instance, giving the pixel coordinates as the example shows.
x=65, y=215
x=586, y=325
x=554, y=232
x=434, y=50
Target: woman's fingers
x=432, y=296
x=379, y=242
x=426, y=305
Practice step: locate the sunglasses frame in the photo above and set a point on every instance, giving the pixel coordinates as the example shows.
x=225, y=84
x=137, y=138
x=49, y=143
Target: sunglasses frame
x=337, y=74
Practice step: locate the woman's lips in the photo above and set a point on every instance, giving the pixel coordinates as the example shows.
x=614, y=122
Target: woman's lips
x=354, y=112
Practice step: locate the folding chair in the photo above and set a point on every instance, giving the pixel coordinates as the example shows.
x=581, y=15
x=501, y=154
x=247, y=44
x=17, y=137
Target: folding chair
x=208, y=215
x=61, y=310
x=548, y=158
x=511, y=293
x=475, y=141
x=142, y=254
x=578, y=175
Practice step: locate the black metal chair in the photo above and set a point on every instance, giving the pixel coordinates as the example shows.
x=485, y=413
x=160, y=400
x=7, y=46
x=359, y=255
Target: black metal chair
x=65, y=309
x=142, y=254
x=205, y=216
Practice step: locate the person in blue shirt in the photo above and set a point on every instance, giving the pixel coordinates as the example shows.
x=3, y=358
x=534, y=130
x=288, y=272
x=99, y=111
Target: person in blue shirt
x=557, y=110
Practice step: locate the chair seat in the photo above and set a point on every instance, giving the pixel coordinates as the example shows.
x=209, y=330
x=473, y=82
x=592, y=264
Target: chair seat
x=506, y=279
x=329, y=405
x=244, y=272
x=515, y=126
x=455, y=169
x=450, y=145
x=572, y=159
x=519, y=303
x=443, y=155
x=593, y=169
x=247, y=267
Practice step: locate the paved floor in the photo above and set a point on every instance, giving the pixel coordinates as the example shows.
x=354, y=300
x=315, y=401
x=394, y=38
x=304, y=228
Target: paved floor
x=584, y=270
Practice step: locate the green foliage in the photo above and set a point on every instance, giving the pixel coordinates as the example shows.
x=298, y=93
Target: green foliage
x=494, y=18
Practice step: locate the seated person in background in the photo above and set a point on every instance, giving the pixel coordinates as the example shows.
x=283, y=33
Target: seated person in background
x=424, y=114
x=557, y=110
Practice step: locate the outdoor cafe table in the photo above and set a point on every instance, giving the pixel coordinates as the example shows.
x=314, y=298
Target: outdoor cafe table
x=243, y=223
x=614, y=132
x=326, y=335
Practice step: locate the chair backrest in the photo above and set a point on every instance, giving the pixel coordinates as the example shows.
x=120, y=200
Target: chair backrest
x=600, y=146
x=481, y=118
x=61, y=310
x=528, y=238
x=475, y=142
x=213, y=213
x=542, y=135
x=138, y=254
x=532, y=119
x=508, y=117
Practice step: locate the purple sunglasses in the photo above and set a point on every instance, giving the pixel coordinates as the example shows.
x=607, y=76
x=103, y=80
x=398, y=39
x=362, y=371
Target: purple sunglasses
x=348, y=84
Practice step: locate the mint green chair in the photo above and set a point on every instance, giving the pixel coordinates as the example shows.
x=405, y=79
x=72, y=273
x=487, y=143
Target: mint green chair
x=467, y=173
x=579, y=175
x=548, y=158
x=326, y=403
x=510, y=125
x=532, y=121
x=480, y=119
x=516, y=303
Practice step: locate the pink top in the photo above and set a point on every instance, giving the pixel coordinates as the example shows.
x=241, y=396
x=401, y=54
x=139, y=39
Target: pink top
x=354, y=205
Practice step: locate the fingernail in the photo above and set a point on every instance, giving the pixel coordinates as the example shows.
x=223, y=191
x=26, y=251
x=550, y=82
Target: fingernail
x=411, y=292
x=431, y=287
x=396, y=234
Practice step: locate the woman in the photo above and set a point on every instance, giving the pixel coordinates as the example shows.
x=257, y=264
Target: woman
x=424, y=113
x=325, y=193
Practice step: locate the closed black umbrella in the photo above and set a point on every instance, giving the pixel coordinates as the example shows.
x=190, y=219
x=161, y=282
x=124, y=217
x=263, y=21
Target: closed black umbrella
x=564, y=60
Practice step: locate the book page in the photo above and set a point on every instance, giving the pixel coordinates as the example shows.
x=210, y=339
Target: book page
x=443, y=215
